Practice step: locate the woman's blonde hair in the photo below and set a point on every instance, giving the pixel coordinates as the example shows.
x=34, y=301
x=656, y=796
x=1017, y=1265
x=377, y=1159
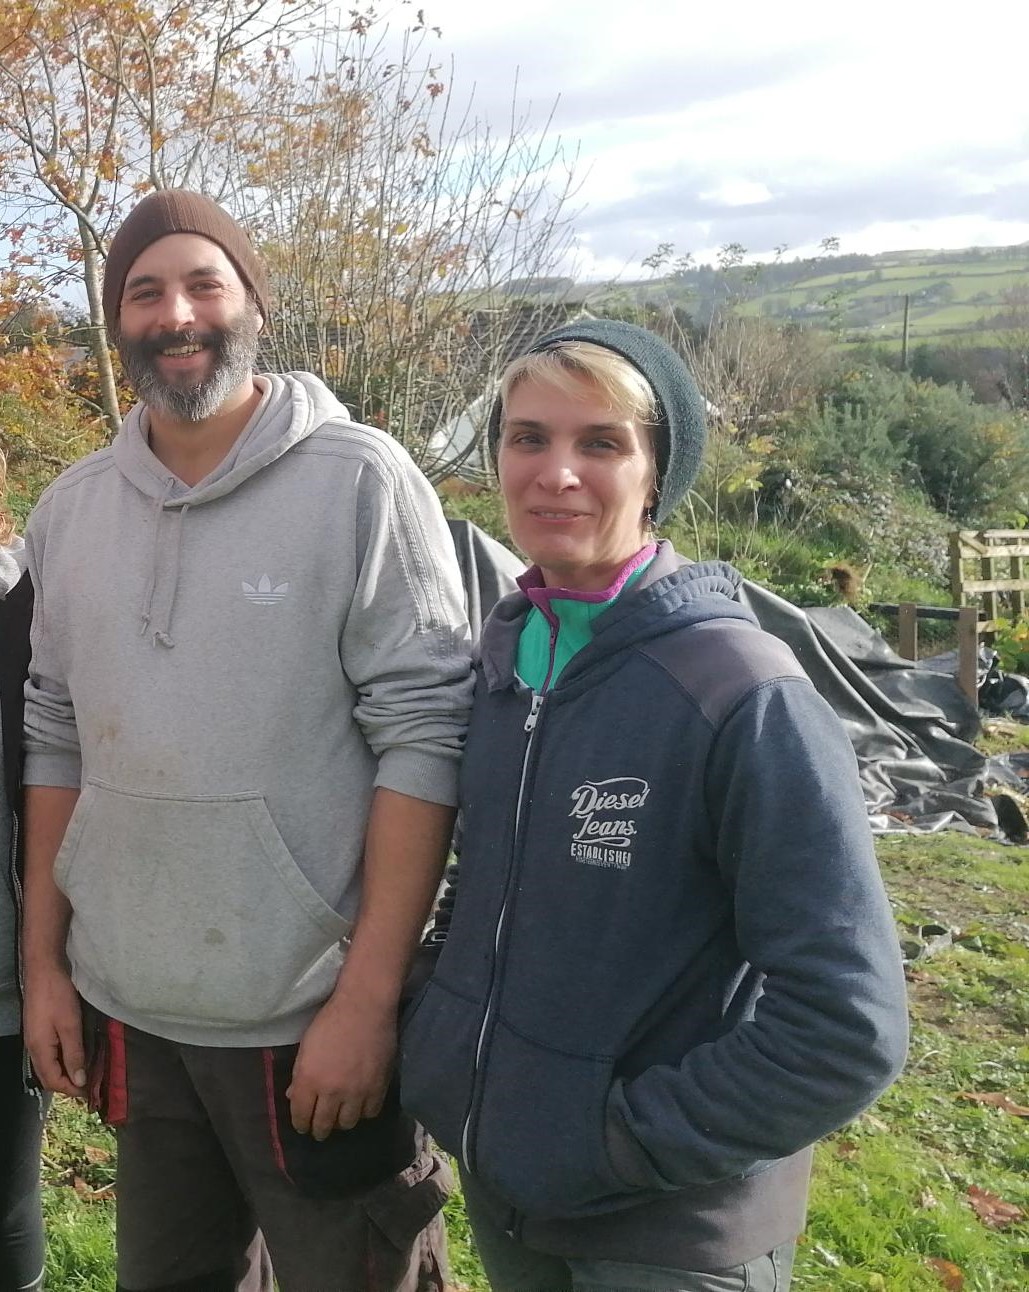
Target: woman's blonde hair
x=566, y=363
x=6, y=519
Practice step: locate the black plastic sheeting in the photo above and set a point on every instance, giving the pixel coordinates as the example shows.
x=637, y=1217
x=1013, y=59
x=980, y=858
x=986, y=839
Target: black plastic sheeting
x=911, y=726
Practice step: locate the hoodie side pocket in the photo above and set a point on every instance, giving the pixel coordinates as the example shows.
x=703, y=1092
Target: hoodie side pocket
x=539, y=1140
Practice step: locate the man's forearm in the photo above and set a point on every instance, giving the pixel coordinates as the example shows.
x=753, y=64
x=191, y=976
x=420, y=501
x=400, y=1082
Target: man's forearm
x=405, y=849
x=48, y=809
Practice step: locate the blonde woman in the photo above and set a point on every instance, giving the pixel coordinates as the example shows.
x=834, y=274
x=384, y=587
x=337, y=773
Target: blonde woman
x=21, y=1124
x=671, y=965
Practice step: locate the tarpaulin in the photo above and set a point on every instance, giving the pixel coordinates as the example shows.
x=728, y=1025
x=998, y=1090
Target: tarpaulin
x=910, y=727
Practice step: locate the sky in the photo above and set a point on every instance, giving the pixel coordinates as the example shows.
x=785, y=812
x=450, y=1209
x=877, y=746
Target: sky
x=703, y=122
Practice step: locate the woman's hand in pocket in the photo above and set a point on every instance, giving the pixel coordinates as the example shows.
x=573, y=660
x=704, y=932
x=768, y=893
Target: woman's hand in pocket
x=343, y=1066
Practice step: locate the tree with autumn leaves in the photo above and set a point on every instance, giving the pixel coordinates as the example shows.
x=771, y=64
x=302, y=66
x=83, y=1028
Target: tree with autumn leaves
x=390, y=216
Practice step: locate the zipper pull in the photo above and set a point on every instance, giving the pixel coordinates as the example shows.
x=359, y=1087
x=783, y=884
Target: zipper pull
x=530, y=721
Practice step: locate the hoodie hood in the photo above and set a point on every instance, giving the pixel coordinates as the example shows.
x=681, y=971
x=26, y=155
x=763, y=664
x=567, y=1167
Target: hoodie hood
x=12, y=564
x=672, y=593
x=291, y=408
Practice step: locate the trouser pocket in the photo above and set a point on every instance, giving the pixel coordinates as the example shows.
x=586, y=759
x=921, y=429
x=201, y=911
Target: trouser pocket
x=348, y=1161
x=770, y=1273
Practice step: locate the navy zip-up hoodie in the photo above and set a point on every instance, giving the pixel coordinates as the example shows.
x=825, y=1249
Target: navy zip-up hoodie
x=672, y=966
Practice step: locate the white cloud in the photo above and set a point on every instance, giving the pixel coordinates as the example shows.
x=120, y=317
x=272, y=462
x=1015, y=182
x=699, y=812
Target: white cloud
x=879, y=123
x=738, y=192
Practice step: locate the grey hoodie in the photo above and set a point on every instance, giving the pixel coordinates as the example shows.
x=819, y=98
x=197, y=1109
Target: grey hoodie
x=227, y=671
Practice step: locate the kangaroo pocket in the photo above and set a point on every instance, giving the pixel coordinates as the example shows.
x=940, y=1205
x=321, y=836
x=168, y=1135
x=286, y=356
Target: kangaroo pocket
x=193, y=908
x=539, y=1136
x=438, y=1037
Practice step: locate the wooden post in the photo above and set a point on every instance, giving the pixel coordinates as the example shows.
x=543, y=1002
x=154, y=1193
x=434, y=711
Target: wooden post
x=991, y=601
x=968, y=652
x=1018, y=596
x=907, y=630
x=957, y=591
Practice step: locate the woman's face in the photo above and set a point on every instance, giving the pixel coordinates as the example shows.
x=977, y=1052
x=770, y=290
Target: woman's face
x=576, y=480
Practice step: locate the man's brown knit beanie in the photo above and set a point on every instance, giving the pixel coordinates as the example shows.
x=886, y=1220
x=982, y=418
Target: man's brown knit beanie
x=174, y=210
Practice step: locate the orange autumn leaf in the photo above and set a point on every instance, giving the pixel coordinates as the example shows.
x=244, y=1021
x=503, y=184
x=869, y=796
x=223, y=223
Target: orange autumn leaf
x=997, y=1099
x=91, y=1195
x=994, y=1212
x=949, y=1274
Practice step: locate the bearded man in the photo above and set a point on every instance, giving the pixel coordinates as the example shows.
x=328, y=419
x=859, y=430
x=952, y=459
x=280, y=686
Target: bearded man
x=246, y=704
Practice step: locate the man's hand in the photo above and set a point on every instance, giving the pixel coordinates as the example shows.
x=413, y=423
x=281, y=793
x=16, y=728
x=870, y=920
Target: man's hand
x=343, y=1066
x=53, y=1031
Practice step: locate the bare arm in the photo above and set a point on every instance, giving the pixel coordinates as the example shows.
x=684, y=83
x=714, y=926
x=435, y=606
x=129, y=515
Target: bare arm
x=53, y=1022
x=343, y=1066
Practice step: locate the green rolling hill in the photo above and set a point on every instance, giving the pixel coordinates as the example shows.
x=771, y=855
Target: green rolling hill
x=955, y=296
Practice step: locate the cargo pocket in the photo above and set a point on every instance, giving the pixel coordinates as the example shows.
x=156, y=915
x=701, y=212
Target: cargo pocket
x=347, y=1162
x=193, y=909
x=406, y=1236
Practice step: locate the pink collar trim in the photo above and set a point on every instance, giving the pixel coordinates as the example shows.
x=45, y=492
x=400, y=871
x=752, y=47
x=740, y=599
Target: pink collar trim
x=531, y=583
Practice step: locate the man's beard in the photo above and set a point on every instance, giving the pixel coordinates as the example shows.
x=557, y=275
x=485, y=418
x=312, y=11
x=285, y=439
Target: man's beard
x=233, y=351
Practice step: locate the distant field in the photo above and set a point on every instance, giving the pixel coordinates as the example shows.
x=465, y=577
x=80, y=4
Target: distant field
x=949, y=297
x=931, y=271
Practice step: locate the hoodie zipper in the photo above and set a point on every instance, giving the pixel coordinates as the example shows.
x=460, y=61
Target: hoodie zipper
x=530, y=728
x=29, y=1081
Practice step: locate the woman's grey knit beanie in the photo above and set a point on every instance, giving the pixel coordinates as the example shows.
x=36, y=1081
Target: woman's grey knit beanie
x=681, y=430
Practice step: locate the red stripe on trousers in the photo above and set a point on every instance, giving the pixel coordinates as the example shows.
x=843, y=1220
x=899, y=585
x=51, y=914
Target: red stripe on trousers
x=273, y=1120
x=117, y=1078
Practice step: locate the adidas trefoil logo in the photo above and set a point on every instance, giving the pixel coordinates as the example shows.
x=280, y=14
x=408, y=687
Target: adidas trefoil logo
x=264, y=594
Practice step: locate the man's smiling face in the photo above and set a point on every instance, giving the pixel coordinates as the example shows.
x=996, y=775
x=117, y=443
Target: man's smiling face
x=187, y=329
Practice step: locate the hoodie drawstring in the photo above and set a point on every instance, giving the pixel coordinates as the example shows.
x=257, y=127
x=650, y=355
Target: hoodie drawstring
x=148, y=596
x=162, y=636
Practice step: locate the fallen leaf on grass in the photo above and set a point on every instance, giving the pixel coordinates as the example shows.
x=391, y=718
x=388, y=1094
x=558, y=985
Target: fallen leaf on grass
x=846, y=1148
x=950, y=1275
x=917, y=975
x=874, y=1123
x=997, y=1099
x=994, y=1212
x=91, y=1195
x=97, y=1155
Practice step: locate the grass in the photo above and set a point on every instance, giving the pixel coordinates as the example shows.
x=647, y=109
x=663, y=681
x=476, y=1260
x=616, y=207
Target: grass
x=890, y=1192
